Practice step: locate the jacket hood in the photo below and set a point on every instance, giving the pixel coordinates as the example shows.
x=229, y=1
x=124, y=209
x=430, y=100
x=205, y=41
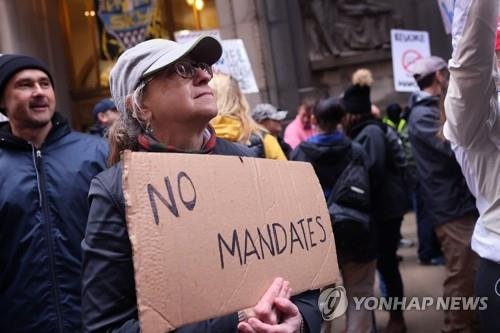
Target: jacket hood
x=60, y=128
x=334, y=148
x=359, y=127
x=423, y=98
x=227, y=128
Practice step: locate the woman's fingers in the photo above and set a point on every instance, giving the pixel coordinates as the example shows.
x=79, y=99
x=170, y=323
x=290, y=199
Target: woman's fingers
x=245, y=328
x=284, y=289
x=291, y=319
x=273, y=291
x=260, y=327
x=264, y=309
x=286, y=308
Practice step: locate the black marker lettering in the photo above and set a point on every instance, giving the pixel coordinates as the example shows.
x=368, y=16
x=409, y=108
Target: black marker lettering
x=235, y=245
x=269, y=245
x=301, y=222
x=295, y=238
x=191, y=203
x=318, y=221
x=276, y=238
x=172, y=206
x=254, y=249
x=309, y=220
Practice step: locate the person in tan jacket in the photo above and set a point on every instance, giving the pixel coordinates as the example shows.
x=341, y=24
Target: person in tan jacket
x=473, y=128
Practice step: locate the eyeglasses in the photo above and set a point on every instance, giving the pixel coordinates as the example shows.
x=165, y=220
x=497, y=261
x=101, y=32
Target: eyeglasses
x=187, y=69
x=184, y=68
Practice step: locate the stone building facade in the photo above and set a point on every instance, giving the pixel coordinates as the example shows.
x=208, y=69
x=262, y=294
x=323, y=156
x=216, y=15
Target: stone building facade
x=296, y=47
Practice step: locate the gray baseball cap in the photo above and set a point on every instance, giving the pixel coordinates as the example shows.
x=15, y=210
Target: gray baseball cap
x=153, y=55
x=425, y=66
x=267, y=111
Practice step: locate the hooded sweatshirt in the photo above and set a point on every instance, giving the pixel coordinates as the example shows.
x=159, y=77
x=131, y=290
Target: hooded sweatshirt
x=230, y=128
x=443, y=190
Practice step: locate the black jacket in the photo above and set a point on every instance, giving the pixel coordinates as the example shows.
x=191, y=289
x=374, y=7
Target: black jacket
x=43, y=213
x=328, y=161
x=109, y=299
x=389, y=191
x=445, y=195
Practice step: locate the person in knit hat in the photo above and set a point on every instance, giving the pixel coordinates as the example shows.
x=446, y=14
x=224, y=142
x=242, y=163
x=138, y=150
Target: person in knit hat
x=383, y=148
x=46, y=174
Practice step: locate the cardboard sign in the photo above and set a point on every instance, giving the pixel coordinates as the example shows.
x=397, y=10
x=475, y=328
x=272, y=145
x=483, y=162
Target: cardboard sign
x=210, y=233
x=407, y=47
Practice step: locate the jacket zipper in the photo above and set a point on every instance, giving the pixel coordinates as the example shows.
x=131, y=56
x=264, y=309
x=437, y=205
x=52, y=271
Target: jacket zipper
x=42, y=195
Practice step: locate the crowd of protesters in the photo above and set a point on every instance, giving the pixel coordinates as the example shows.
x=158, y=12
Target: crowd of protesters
x=66, y=258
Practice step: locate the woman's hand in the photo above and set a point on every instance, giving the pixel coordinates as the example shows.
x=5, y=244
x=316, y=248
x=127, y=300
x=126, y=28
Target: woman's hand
x=274, y=313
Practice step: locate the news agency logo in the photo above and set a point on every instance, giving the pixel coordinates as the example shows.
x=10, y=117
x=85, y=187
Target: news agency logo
x=332, y=303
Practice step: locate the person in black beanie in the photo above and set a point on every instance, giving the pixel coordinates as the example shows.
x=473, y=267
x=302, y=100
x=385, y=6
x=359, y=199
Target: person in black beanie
x=386, y=161
x=45, y=178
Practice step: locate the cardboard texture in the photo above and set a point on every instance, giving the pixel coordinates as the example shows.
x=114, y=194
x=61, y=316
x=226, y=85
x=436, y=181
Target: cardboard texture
x=210, y=233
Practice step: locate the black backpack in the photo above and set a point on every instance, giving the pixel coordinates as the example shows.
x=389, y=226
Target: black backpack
x=349, y=205
x=256, y=145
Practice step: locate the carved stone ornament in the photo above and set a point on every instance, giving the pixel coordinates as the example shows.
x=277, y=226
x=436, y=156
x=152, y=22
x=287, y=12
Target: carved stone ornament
x=344, y=27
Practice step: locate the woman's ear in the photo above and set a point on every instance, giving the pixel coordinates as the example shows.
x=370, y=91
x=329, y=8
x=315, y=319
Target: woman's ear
x=142, y=113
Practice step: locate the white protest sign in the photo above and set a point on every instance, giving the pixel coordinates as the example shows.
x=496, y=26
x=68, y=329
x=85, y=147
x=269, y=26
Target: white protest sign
x=446, y=9
x=407, y=47
x=235, y=62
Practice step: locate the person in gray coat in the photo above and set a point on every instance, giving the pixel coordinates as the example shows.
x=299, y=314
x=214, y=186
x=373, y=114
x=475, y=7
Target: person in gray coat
x=447, y=202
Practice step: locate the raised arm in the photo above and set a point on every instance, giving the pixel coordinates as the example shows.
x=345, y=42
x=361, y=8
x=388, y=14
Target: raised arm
x=472, y=86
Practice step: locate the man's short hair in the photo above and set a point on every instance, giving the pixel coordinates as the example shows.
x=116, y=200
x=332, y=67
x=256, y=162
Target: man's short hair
x=329, y=112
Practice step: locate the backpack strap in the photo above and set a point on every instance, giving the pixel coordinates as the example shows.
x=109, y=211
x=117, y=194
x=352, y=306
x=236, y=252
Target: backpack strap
x=354, y=154
x=256, y=144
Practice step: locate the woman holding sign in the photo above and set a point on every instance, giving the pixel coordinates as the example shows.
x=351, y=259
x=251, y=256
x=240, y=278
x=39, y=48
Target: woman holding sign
x=161, y=90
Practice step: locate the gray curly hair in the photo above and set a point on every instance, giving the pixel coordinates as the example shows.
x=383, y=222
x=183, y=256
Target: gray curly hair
x=125, y=130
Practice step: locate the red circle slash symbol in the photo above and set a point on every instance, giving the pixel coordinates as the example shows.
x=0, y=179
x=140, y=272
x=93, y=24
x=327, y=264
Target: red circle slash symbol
x=409, y=57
